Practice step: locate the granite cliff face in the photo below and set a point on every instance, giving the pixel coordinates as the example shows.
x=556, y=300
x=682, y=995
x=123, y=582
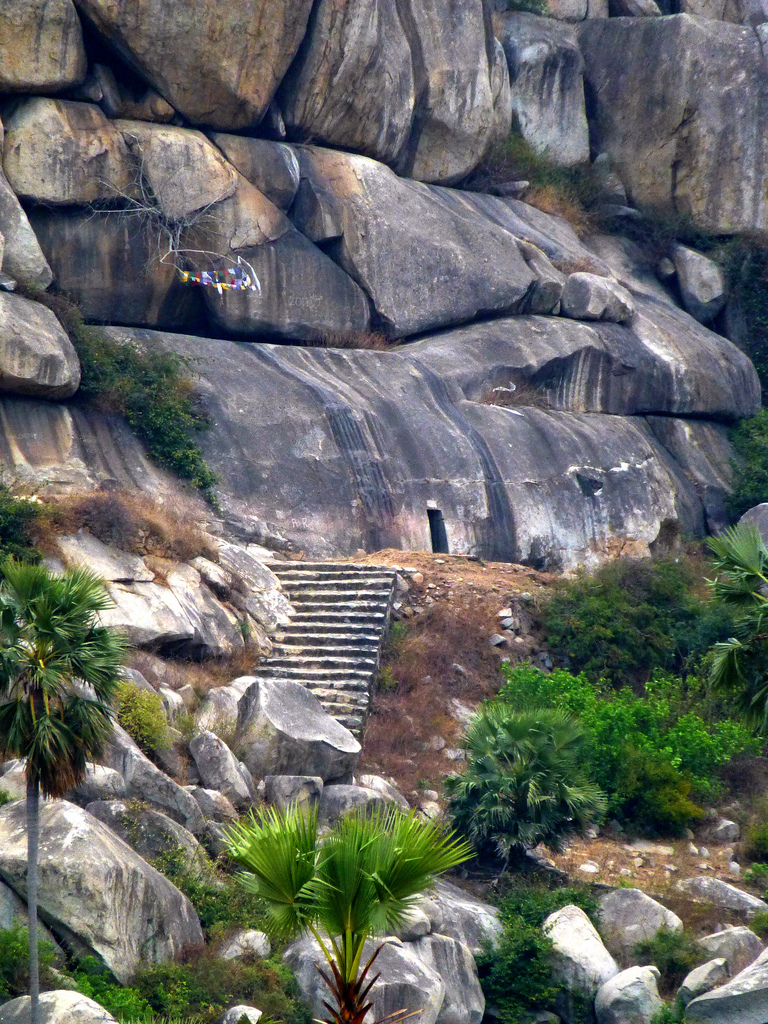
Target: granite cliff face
x=550, y=394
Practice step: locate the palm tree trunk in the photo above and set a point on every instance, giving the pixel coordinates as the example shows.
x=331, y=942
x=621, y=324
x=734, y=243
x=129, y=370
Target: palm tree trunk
x=33, y=833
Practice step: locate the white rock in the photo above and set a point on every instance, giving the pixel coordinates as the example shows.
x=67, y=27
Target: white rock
x=465, y=918
x=236, y=1014
x=284, y=790
x=219, y=769
x=415, y=925
x=386, y=790
x=702, y=284
x=703, y=979
x=742, y=1000
x=451, y=960
x=60, y=1007
x=84, y=551
x=589, y=297
x=100, y=783
x=631, y=997
x=629, y=916
x=722, y=894
x=738, y=946
x=246, y=943
x=214, y=804
x=581, y=963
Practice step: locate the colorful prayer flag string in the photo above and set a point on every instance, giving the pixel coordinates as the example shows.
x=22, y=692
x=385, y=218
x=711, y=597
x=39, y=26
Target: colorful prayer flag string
x=234, y=279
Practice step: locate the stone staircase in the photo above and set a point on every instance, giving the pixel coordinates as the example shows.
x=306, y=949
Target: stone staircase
x=333, y=643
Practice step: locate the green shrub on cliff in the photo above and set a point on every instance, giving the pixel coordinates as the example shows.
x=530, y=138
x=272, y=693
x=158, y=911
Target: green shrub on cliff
x=153, y=389
x=750, y=475
x=142, y=716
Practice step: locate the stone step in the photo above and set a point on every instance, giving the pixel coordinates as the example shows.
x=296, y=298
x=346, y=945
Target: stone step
x=347, y=698
x=382, y=583
x=296, y=651
x=337, y=594
x=362, y=687
x=317, y=616
x=298, y=673
x=340, y=663
x=331, y=631
x=326, y=601
x=280, y=570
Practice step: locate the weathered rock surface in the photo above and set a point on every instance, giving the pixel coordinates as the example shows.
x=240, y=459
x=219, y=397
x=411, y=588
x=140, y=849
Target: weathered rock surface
x=590, y=297
x=463, y=917
x=214, y=805
x=742, y=1000
x=629, y=916
x=631, y=997
x=667, y=140
x=285, y=790
x=703, y=979
x=546, y=79
x=59, y=1007
x=271, y=167
x=218, y=66
x=739, y=947
x=41, y=46
x=451, y=960
x=110, y=266
x=281, y=727
x=148, y=783
x=722, y=894
x=386, y=789
x=61, y=152
x=218, y=768
x=399, y=238
x=352, y=84
x=339, y=800
x=235, y=1014
x=405, y=983
x=702, y=284
x=149, y=832
x=100, y=783
x=96, y=889
x=36, y=356
x=83, y=551
x=581, y=963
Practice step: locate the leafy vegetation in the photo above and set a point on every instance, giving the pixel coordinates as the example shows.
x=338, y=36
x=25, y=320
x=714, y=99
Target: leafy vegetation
x=17, y=518
x=153, y=389
x=649, y=753
x=142, y=715
x=360, y=881
x=631, y=618
x=739, y=665
x=750, y=472
x=14, y=962
x=675, y=953
x=524, y=781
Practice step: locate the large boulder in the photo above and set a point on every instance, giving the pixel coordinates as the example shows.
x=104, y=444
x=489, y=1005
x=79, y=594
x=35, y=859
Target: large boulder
x=218, y=66
x=399, y=237
x=41, y=46
x=668, y=138
x=282, y=728
x=581, y=963
x=96, y=890
x=591, y=297
x=739, y=947
x=742, y=1000
x=701, y=281
x=271, y=167
x=287, y=790
x=722, y=894
x=631, y=997
x=628, y=916
x=36, y=356
x=352, y=84
x=61, y=152
x=23, y=259
x=219, y=769
x=703, y=978
x=146, y=782
x=339, y=800
x=59, y=1007
x=464, y=1002
x=405, y=981
x=462, y=88
x=110, y=265
x=82, y=550
x=150, y=833
x=546, y=78
x=465, y=918
x=100, y=783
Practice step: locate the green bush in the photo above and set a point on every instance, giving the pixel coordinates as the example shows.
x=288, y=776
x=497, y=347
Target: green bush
x=220, y=901
x=5, y=797
x=631, y=618
x=649, y=753
x=675, y=954
x=759, y=923
x=529, y=6
x=523, y=782
x=143, y=717
x=151, y=388
x=14, y=962
x=123, y=1002
x=757, y=875
x=205, y=985
x=516, y=973
x=17, y=517
x=750, y=473
x=756, y=846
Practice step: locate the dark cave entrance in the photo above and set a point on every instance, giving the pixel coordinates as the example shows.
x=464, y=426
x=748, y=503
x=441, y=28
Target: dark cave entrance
x=437, y=531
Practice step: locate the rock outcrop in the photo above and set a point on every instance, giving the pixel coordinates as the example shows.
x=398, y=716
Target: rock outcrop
x=581, y=963
x=743, y=999
x=96, y=890
x=36, y=356
x=59, y=1007
x=629, y=916
x=41, y=46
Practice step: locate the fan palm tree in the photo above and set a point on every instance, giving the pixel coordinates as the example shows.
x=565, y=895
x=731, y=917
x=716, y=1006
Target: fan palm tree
x=357, y=881
x=58, y=672
x=523, y=783
x=739, y=666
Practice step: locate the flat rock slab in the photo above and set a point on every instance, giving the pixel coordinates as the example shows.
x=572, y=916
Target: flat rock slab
x=742, y=1000
x=60, y=1007
x=722, y=894
x=84, y=551
x=96, y=889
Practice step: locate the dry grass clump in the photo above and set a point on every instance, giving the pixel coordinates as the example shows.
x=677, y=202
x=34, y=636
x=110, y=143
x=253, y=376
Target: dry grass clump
x=559, y=203
x=417, y=681
x=130, y=521
x=520, y=394
x=585, y=265
x=201, y=676
x=373, y=340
